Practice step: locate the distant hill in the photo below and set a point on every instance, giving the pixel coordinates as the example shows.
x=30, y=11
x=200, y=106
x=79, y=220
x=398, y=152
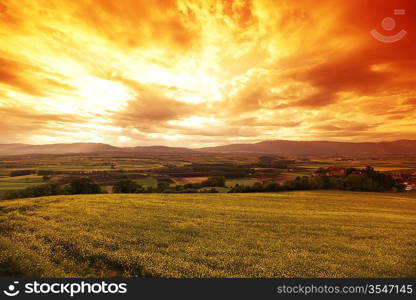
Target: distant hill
x=157, y=149
x=19, y=149
x=76, y=148
x=320, y=148
x=280, y=147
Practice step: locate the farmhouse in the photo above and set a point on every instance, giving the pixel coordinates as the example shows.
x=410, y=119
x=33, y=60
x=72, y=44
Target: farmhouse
x=408, y=179
x=411, y=183
x=331, y=171
x=335, y=171
x=409, y=186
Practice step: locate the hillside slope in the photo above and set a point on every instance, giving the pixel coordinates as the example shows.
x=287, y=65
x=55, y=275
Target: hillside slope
x=281, y=147
x=293, y=234
x=19, y=149
x=320, y=148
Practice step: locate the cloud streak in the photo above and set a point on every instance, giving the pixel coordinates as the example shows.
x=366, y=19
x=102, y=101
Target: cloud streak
x=201, y=73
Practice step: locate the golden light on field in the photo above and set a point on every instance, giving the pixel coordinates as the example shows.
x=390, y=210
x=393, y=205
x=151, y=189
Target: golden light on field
x=195, y=73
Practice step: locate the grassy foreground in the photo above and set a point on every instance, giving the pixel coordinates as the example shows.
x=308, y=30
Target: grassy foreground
x=293, y=234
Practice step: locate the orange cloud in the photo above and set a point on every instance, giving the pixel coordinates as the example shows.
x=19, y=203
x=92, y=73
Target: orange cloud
x=205, y=72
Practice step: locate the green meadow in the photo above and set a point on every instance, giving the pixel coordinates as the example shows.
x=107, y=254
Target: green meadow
x=19, y=182
x=241, y=181
x=288, y=234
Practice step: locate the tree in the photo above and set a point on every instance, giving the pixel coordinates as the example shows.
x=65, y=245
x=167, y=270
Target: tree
x=272, y=187
x=321, y=171
x=302, y=183
x=162, y=186
x=83, y=185
x=48, y=189
x=126, y=186
x=218, y=181
x=20, y=173
x=258, y=187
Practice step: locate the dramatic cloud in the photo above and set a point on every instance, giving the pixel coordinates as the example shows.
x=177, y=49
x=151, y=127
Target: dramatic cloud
x=200, y=73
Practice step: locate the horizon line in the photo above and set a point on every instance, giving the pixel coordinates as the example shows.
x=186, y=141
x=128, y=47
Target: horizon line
x=219, y=145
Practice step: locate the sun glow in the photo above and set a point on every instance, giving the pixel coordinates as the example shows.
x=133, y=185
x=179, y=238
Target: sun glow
x=102, y=94
x=185, y=71
x=193, y=122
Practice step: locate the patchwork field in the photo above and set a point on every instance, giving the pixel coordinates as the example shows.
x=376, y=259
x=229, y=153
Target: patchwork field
x=148, y=170
x=292, y=234
x=19, y=182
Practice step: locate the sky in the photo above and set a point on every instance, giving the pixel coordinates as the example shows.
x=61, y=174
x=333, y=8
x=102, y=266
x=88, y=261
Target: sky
x=203, y=73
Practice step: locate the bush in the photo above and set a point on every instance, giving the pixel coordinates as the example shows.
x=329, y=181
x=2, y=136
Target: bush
x=162, y=186
x=218, y=181
x=20, y=173
x=272, y=187
x=83, y=185
x=127, y=186
x=77, y=186
x=49, y=189
x=356, y=180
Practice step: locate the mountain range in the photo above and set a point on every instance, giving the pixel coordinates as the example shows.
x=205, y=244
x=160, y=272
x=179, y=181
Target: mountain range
x=321, y=147
x=281, y=147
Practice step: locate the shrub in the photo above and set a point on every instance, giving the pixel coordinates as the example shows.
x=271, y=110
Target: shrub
x=48, y=189
x=83, y=185
x=162, y=186
x=214, y=181
x=126, y=186
x=20, y=173
x=272, y=187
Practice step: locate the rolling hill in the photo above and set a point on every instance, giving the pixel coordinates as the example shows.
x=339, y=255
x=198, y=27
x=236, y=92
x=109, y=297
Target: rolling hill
x=281, y=147
x=158, y=149
x=19, y=149
x=76, y=148
x=291, y=234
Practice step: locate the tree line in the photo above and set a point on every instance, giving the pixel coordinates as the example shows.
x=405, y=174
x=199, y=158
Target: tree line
x=86, y=185
x=130, y=186
x=367, y=180
x=76, y=186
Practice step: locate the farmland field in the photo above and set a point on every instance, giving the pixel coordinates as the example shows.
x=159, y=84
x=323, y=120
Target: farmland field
x=288, y=234
x=148, y=170
x=241, y=181
x=19, y=182
x=147, y=182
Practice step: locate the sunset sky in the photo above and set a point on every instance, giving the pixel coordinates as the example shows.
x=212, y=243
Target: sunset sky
x=201, y=73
